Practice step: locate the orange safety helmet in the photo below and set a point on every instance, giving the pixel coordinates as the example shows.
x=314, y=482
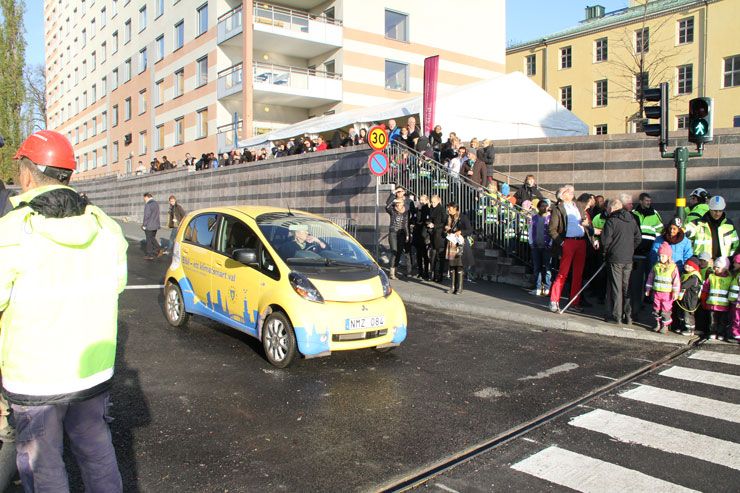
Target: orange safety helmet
x=48, y=148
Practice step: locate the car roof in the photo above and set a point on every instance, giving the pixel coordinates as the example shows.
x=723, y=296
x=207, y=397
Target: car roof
x=253, y=211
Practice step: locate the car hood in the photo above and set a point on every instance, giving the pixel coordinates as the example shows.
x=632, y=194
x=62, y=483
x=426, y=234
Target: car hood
x=349, y=291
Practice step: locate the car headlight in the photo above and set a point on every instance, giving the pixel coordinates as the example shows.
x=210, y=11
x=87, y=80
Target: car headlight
x=385, y=282
x=304, y=287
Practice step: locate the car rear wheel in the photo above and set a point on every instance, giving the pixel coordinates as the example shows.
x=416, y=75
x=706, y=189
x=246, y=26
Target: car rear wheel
x=174, y=305
x=278, y=340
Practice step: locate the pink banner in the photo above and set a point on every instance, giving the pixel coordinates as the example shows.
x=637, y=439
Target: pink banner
x=431, y=72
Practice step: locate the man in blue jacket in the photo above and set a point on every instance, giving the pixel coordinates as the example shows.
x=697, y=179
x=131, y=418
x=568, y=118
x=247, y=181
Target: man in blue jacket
x=150, y=227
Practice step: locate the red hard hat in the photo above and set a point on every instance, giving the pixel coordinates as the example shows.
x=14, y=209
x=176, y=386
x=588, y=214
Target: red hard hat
x=48, y=148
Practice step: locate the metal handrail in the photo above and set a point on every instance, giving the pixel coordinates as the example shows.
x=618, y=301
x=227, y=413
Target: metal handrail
x=273, y=9
x=510, y=178
x=492, y=217
x=231, y=12
x=229, y=127
x=230, y=70
x=271, y=67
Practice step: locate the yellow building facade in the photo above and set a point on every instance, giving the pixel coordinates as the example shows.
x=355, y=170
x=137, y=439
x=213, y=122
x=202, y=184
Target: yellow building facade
x=594, y=69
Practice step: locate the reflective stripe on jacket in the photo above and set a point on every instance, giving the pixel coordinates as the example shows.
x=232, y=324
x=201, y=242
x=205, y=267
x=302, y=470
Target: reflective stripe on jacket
x=664, y=278
x=59, y=283
x=650, y=225
x=734, y=290
x=719, y=289
x=697, y=213
x=701, y=237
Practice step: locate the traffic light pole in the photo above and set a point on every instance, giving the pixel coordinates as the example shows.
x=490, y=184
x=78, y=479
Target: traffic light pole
x=681, y=159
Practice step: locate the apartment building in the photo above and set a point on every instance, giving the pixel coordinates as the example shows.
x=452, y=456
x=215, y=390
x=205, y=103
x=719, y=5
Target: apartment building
x=598, y=68
x=130, y=80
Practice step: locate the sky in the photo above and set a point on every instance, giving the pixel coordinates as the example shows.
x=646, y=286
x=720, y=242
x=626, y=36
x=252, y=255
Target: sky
x=521, y=25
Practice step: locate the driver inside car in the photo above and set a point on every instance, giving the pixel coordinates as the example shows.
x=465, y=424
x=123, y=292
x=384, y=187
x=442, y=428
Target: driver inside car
x=302, y=240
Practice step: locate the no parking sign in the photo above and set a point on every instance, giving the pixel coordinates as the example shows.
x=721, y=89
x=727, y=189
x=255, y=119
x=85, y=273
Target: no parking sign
x=378, y=163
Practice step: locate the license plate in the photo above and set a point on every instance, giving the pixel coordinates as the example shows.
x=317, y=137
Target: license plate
x=364, y=323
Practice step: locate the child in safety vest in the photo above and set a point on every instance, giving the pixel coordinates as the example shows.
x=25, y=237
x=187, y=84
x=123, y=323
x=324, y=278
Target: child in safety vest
x=715, y=298
x=688, y=298
x=734, y=298
x=665, y=283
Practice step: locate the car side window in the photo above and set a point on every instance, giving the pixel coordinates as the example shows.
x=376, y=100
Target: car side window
x=267, y=264
x=233, y=235
x=201, y=230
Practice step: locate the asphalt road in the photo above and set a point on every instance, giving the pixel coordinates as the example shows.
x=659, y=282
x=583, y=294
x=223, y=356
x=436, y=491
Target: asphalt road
x=200, y=409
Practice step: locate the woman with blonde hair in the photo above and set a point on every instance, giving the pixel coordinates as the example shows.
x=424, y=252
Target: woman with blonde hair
x=458, y=252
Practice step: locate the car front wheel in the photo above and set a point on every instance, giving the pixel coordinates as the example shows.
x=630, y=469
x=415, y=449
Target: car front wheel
x=278, y=340
x=174, y=305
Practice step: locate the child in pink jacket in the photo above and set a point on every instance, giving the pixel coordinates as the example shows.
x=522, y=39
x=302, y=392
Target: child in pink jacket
x=664, y=281
x=734, y=298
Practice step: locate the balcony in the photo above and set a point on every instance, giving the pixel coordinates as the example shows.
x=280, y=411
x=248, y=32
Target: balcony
x=230, y=82
x=229, y=25
x=294, y=32
x=294, y=86
x=228, y=138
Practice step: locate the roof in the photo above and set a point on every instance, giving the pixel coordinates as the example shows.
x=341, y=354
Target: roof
x=620, y=16
x=251, y=210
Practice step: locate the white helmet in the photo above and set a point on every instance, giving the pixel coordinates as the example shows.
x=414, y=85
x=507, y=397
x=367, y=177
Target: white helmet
x=700, y=192
x=717, y=203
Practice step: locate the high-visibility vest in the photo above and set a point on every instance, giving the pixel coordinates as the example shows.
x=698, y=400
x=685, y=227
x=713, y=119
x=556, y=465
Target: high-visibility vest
x=685, y=277
x=650, y=226
x=663, y=278
x=598, y=222
x=734, y=289
x=700, y=235
x=719, y=290
x=697, y=213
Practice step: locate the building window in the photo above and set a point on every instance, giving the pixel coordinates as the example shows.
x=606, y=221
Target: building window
x=104, y=121
x=84, y=131
x=114, y=48
x=127, y=70
x=93, y=94
x=686, y=30
x=202, y=19
x=114, y=116
x=142, y=60
x=566, y=97
x=396, y=25
x=77, y=77
x=84, y=38
x=732, y=71
x=115, y=151
x=179, y=131
x=159, y=92
x=179, y=35
x=77, y=135
x=94, y=159
x=685, y=79
x=142, y=101
x=142, y=18
x=202, y=71
x=114, y=8
x=127, y=31
x=396, y=76
x=103, y=51
x=94, y=126
x=566, y=60
x=641, y=82
x=202, y=123
x=736, y=121
x=92, y=28
x=600, y=129
x=114, y=79
x=103, y=18
x=77, y=106
x=179, y=82
x=601, y=93
x=601, y=50
x=159, y=8
x=127, y=109
x=84, y=100
x=642, y=40
x=142, y=142
x=104, y=156
x=159, y=137
x=103, y=87
x=682, y=122
x=84, y=68
x=531, y=65
x=160, y=47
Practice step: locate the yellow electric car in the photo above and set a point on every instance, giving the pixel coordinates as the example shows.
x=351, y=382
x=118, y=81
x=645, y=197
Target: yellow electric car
x=294, y=280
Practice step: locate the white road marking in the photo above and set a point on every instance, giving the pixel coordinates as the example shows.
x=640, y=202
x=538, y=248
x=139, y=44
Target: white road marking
x=583, y=473
x=552, y=371
x=146, y=286
x=703, y=376
x=666, y=438
x=715, y=357
x=604, y=376
x=488, y=393
x=702, y=406
x=445, y=488
x=685, y=402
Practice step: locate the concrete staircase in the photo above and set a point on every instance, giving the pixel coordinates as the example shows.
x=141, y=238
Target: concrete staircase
x=492, y=264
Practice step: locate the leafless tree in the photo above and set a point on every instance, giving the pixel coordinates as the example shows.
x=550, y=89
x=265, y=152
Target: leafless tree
x=34, y=112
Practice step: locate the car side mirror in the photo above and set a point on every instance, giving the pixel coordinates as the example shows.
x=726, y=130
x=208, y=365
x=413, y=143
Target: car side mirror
x=246, y=256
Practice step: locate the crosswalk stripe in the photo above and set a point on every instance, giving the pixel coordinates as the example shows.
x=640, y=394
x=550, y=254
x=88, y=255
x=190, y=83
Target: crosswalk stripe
x=715, y=357
x=703, y=376
x=583, y=473
x=673, y=440
x=685, y=402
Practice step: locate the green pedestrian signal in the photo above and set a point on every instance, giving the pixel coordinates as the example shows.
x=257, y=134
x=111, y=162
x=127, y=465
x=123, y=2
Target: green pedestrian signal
x=700, y=120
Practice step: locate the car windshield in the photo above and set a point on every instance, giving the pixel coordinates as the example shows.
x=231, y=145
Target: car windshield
x=309, y=241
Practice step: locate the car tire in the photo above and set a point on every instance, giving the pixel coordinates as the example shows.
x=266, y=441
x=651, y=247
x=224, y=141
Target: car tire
x=278, y=340
x=174, y=305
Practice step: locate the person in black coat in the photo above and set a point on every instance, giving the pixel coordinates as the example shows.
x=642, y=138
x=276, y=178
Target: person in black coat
x=422, y=238
x=619, y=239
x=528, y=191
x=437, y=223
x=458, y=252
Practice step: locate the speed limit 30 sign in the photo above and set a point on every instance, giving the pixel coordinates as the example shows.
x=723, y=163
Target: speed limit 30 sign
x=377, y=138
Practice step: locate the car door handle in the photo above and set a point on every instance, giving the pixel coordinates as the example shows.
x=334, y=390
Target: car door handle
x=220, y=263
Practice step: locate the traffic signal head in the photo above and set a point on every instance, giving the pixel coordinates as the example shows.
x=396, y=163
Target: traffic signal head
x=660, y=113
x=700, y=120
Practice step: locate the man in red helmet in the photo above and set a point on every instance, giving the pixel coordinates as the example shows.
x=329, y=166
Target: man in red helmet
x=64, y=262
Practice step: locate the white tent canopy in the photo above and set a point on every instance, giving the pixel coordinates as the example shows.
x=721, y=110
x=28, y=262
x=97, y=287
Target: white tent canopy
x=509, y=106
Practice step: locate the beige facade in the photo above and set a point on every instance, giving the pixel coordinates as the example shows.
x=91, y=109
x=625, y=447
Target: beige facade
x=130, y=80
x=594, y=67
